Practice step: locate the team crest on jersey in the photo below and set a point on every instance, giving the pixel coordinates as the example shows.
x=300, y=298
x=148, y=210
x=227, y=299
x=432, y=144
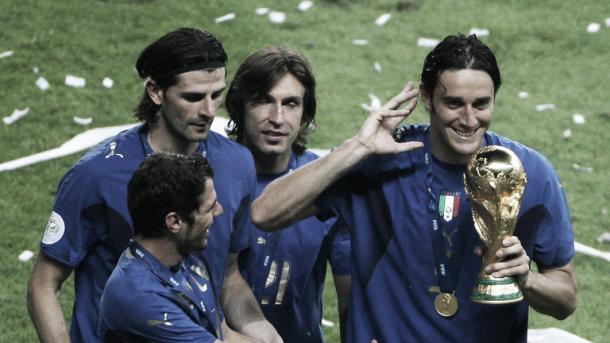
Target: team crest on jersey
x=55, y=229
x=449, y=205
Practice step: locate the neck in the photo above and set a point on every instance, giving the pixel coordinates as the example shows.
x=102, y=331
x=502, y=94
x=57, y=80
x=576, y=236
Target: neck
x=271, y=164
x=442, y=153
x=161, y=140
x=162, y=249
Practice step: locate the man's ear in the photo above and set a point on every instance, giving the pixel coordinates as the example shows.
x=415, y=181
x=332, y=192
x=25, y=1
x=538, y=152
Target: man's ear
x=426, y=98
x=173, y=222
x=154, y=92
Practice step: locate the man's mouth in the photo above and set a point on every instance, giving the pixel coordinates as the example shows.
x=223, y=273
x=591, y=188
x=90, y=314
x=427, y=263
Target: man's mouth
x=465, y=132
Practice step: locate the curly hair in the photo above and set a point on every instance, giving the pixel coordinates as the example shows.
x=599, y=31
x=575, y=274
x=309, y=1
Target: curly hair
x=256, y=77
x=164, y=183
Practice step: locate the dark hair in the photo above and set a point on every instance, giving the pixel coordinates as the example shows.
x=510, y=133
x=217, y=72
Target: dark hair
x=459, y=52
x=166, y=183
x=254, y=79
x=177, y=52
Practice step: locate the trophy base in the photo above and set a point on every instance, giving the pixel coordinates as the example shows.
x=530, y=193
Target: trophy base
x=496, y=291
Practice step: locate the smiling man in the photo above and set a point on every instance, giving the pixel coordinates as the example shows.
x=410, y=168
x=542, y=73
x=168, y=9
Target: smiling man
x=389, y=185
x=272, y=104
x=90, y=226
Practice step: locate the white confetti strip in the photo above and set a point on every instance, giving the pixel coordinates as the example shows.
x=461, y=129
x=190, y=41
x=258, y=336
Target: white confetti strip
x=524, y=94
x=479, y=32
x=35, y=70
x=427, y=42
x=545, y=107
x=577, y=167
x=607, y=22
x=567, y=134
x=42, y=83
x=604, y=237
x=593, y=27
x=327, y=323
x=75, y=81
x=360, y=42
x=377, y=67
x=375, y=103
x=305, y=5
x=262, y=10
x=25, y=256
x=16, y=115
x=383, y=19
x=82, y=121
x=6, y=54
x=578, y=118
x=277, y=17
x=107, y=82
x=226, y=17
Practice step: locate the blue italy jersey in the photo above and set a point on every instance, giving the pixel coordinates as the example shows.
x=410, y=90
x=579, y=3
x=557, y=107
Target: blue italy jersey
x=145, y=301
x=385, y=202
x=286, y=268
x=90, y=224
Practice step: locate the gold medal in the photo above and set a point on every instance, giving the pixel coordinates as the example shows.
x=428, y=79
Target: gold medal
x=446, y=304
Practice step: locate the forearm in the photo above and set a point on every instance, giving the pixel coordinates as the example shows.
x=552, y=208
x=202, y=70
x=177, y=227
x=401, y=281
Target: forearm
x=291, y=198
x=551, y=292
x=46, y=314
x=242, y=312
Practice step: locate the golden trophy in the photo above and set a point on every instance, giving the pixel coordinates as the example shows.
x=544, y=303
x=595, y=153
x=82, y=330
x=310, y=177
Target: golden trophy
x=494, y=181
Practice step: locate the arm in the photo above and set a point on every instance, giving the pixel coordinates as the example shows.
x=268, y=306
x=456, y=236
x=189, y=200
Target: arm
x=291, y=197
x=343, y=285
x=551, y=291
x=241, y=309
x=43, y=299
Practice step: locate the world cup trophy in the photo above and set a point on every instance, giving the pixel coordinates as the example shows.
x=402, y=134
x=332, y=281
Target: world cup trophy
x=495, y=181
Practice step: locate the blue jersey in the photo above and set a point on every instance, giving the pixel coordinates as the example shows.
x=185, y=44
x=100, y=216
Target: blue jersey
x=286, y=269
x=386, y=203
x=90, y=224
x=146, y=301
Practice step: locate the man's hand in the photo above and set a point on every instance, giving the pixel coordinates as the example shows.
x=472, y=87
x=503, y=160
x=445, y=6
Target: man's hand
x=513, y=261
x=376, y=133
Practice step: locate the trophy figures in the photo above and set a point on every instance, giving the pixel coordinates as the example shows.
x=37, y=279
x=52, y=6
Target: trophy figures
x=494, y=181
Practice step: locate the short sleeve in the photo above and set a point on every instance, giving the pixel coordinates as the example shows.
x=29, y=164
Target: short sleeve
x=341, y=247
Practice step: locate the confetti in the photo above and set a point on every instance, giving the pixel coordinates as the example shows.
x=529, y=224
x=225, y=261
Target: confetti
x=427, y=42
x=6, y=54
x=107, y=82
x=226, y=17
x=479, y=32
x=82, y=121
x=35, y=70
x=567, y=134
x=305, y=5
x=593, y=27
x=25, y=256
x=524, y=94
x=75, y=81
x=360, y=42
x=262, y=10
x=604, y=211
x=604, y=237
x=16, y=115
x=607, y=22
x=544, y=107
x=377, y=67
x=277, y=17
x=375, y=103
x=577, y=167
x=578, y=118
x=42, y=83
x=383, y=19
x=327, y=323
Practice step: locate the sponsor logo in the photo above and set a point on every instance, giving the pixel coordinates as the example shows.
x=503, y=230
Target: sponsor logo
x=112, y=151
x=55, y=229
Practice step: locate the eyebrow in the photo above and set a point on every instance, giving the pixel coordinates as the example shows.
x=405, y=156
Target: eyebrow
x=186, y=93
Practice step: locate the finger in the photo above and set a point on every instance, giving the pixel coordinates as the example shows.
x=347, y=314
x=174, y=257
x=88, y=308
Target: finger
x=403, y=112
x=521, y=263
x=408, y=92
x=408, y=146
x=513, y=271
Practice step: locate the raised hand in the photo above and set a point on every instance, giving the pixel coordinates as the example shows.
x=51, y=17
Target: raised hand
x=376, y=133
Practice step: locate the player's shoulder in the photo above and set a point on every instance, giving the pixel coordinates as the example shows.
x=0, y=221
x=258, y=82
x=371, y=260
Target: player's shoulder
x=226, y=153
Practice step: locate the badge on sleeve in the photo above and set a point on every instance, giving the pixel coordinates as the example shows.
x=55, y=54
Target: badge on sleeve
x=55, y=229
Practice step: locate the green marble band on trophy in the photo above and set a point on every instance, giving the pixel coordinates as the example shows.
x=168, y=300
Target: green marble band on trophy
x=494, y=181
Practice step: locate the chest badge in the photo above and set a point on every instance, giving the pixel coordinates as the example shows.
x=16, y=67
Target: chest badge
x=449, y=205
